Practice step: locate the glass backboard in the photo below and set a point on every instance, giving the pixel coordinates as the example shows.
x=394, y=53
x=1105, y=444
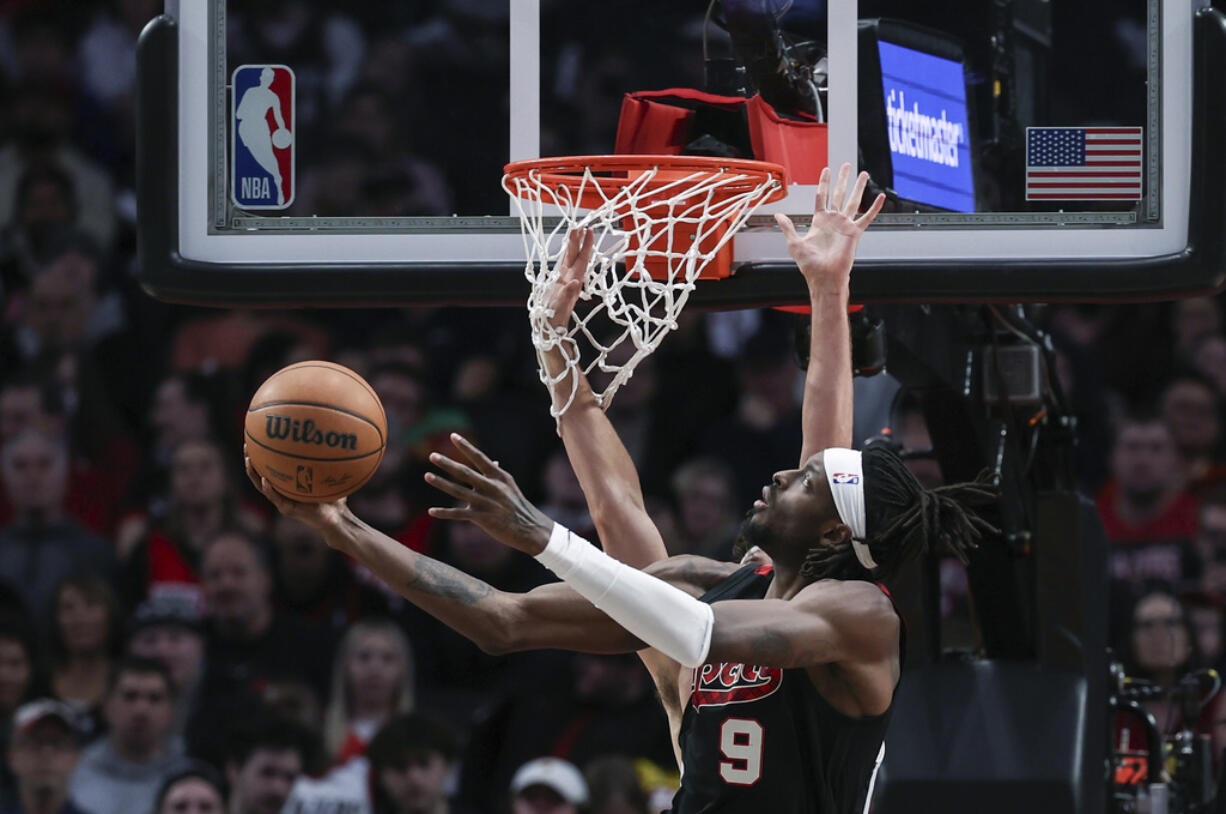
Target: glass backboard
x=301, y=152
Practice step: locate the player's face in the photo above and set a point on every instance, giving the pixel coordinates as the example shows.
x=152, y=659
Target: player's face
x=795, y=508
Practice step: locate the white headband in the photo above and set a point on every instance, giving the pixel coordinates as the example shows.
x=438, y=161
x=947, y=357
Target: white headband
x=845, y=474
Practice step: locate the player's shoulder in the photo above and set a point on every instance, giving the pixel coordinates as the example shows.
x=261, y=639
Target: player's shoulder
x=856, y=593
x=689, y=571
x=852, y=603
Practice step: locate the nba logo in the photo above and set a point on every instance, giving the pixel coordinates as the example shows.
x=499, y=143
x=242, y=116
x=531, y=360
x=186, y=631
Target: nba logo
x=306, y=479
x=262, y=137
x=844, y=478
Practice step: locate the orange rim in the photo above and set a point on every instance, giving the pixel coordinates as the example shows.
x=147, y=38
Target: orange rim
x=563, y=171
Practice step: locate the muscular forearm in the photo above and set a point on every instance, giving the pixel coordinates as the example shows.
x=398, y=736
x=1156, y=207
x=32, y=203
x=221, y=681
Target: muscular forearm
x=551, y=616
x=466, y=604
x=827, y=412
x=655, y=612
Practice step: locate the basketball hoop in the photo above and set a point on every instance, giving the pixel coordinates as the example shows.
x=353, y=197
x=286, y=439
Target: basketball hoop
x=667, y=220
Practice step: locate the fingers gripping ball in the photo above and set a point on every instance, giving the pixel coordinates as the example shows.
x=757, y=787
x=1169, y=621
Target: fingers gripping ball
x=282, y=138
x=316, y=431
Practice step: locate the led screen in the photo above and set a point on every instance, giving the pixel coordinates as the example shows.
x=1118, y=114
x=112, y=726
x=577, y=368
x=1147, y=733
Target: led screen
x=928, y=126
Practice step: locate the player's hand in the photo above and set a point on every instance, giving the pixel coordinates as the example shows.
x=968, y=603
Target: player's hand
x=826, y=251
x=571, y=270
x=319, y=516
x=489, y=497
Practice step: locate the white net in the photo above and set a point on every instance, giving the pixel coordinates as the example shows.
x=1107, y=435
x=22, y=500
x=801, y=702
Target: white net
x=662, y=226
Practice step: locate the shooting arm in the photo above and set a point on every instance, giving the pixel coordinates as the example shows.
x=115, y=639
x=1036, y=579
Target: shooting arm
x=551, y=616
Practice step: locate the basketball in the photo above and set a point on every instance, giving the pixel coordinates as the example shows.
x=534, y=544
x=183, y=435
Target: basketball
x=316, y=431
x=282, y=138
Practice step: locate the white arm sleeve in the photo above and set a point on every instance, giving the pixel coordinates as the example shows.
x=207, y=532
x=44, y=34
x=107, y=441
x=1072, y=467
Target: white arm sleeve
x=667, y=618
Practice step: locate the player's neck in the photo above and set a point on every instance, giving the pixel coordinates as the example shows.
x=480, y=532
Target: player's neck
x=787, y=582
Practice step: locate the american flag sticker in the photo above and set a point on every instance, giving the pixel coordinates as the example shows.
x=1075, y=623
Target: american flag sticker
x=1083, y=163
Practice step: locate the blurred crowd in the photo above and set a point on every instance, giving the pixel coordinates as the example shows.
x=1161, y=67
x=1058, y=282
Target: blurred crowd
x=170, y=643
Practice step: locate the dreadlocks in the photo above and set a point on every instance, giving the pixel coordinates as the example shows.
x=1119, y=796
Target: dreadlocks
x=905, y=519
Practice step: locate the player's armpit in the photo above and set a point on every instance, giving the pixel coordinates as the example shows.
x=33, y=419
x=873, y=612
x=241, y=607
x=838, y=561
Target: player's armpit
x=827, y=622
x=555, y=617
x=693, y=574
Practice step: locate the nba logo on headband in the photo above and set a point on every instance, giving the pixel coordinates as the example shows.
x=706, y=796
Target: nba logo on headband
x=845, y=469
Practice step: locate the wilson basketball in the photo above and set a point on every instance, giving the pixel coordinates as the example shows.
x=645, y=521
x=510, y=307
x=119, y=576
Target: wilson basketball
x=316, y=431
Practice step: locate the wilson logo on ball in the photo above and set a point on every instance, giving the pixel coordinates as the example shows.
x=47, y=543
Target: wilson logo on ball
x=281, y=428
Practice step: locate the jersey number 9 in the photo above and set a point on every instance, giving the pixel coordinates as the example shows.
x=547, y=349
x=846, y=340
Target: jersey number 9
x=740, y=740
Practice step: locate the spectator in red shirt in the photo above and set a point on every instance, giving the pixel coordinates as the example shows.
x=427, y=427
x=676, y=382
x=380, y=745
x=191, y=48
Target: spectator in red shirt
x=1149, y=519
x=29, y=401
x=1191, y=410
x=184, y=407
x=163, y=549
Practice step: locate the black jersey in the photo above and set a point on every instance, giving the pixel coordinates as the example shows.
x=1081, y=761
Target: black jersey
x=762, y=739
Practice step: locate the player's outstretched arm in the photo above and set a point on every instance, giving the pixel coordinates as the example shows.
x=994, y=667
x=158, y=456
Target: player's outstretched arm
x=824, y=623
x=604, y=468
x=824, y=254
x=552, y=616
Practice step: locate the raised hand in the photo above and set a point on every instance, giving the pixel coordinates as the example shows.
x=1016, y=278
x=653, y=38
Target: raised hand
x=571, y=269
x=319, y=516
x=826, y=251
x=489, y=497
